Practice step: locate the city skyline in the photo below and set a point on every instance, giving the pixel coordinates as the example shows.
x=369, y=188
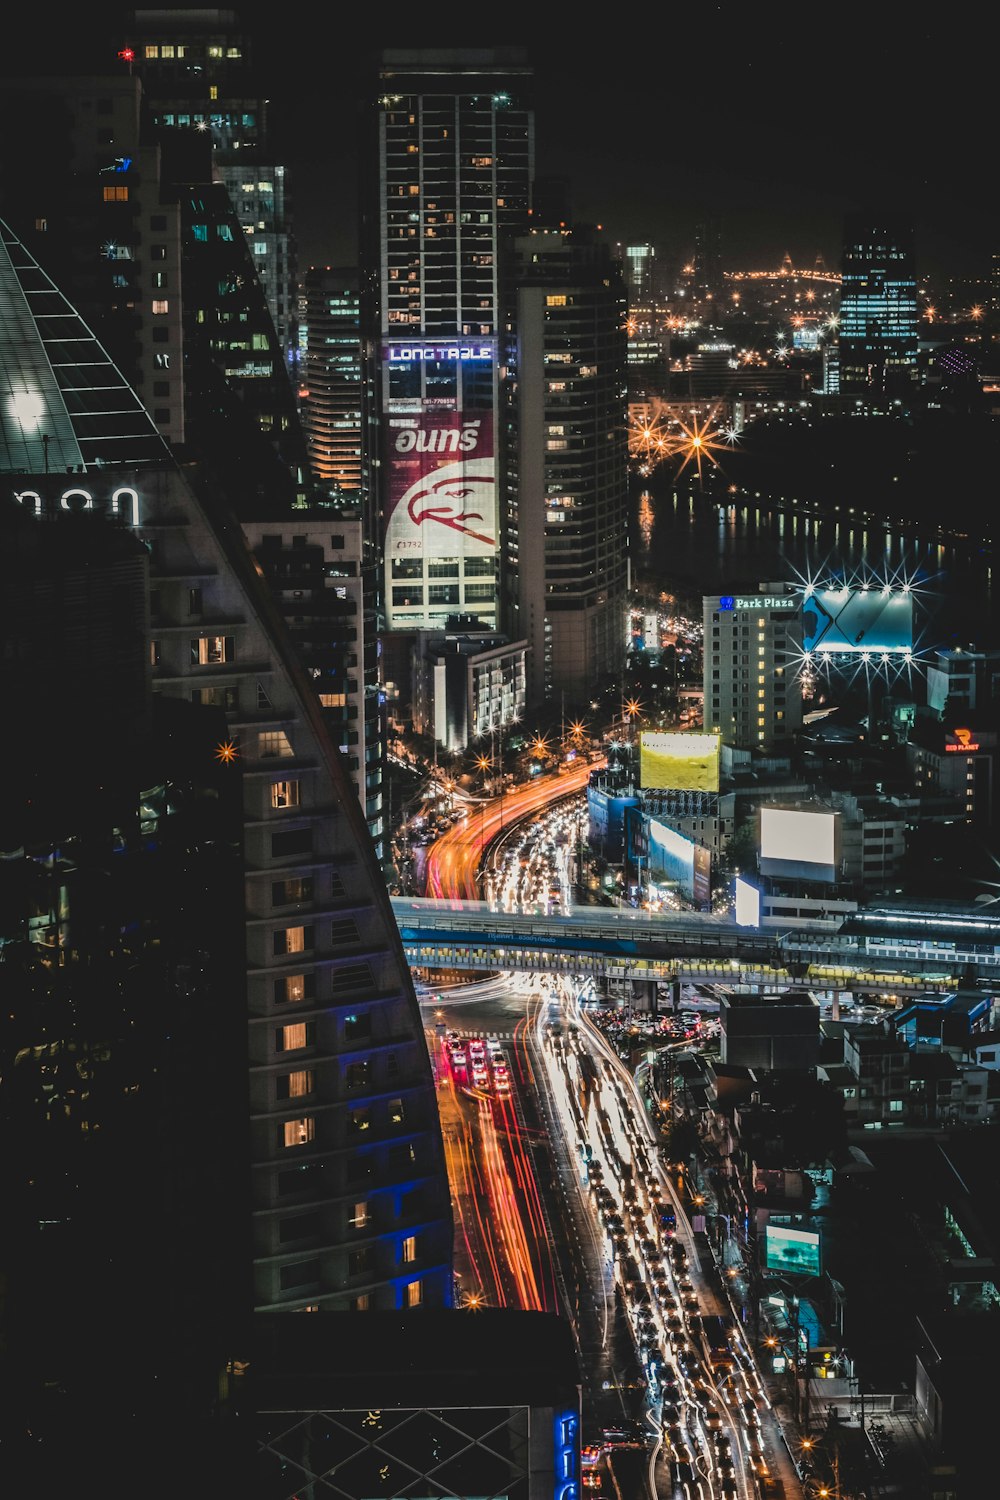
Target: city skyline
x=776, y=127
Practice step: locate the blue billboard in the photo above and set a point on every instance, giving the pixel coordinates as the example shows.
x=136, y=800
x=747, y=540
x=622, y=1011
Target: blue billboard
x=853, y=619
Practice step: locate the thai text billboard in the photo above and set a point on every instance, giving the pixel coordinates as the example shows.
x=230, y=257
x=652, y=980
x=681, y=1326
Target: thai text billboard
x=441, y=499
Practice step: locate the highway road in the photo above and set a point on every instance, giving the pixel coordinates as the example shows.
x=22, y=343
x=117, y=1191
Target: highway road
x=663, y=1415
x=453, y=860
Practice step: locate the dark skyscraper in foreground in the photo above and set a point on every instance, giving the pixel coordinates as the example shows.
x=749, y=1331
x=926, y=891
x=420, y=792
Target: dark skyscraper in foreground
x=878, y=309
x=348, y=1194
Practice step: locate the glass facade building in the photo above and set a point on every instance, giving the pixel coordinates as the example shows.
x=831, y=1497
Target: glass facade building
x=878, y=310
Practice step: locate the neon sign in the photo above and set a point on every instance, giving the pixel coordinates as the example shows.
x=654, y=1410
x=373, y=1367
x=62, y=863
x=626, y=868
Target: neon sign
x=124, y=502
x=566, y=1457
x=757, y=601
x=408, y=354
x=965, y=741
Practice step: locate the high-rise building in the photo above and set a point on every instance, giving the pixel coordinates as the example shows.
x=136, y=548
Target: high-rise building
x=752, y=647
x=349, y=1193
x=567, y=476
x=137, y=220
x=322, y=574
x=198, y=75
x=639, y=269
x=878, y=309
x=331, y=393
x=451, y=157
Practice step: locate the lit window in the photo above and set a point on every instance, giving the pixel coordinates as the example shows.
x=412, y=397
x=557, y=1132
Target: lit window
x=396, y=1112
x=360, y=1216
x=555, y=299
x=214, y=51
x=333, y=700
x=273, y=742
x=115, y=194
x=152, y=50
x=299, y=1132
x=414, y=1294
x=213, y=91
x=284, y=794
x=301, y=1083
x=211, y=650
x=294, y=939
x=291, y=1038
x=167, y=50
x=410, y=1248
x=362, y=1302
x=161, y=305
x=295, y=987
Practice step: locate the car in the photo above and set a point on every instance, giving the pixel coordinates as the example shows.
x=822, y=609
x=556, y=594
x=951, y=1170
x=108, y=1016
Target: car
x=691, y=1304
x=725, y=1469
x=674, y=1324
x=667, y=1299
x=750, y=1413
x=493, y=1046
x=480, y=1078
x=459, y=1057
x=685, y=1284
x=728, y=1486
x=683, y=1473
x=503, y=1085
x=713, y=1417
x=671, y=1416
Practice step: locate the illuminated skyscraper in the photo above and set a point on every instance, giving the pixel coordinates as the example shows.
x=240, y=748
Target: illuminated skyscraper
x=567, y=475
x=452, y=162
x=331, y=376
x=878, y=309
x=350, y=1197
x=198, y=75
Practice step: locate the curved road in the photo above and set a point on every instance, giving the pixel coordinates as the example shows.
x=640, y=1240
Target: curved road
x=453, y=860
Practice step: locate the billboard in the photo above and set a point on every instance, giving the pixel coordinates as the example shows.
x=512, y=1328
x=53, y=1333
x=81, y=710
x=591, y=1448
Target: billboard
x=679, y=762
x=441, y=493
x=702, y=884
x=747, y=903
x=672, y=855
x=795, y=1251
x=799, y=837
x=857, y=619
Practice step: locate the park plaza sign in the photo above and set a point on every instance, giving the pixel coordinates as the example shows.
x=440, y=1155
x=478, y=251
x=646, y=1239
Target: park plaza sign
x=122, y=502
x=758, y=601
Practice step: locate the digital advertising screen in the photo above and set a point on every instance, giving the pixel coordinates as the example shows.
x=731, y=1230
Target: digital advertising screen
x=679, y=762
x=442, y=490
x=796, y=1251
x=854, y=619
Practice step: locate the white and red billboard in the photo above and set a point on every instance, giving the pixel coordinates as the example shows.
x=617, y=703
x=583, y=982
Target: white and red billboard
x=442, y=485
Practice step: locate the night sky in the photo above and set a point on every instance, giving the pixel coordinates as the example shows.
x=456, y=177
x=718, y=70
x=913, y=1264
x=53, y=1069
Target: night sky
x=776, y=118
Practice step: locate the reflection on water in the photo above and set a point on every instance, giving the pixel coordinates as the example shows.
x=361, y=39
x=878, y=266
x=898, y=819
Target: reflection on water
x=690, y=544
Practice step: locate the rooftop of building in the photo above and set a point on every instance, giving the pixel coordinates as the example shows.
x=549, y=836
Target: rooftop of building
x=428, y=1356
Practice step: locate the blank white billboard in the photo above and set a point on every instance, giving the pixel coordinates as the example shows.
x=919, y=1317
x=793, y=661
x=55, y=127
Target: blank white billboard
x=802, y=837
x=747, y=903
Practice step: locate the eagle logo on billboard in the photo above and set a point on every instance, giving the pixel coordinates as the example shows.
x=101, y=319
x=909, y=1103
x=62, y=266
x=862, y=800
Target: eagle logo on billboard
x=442, y=485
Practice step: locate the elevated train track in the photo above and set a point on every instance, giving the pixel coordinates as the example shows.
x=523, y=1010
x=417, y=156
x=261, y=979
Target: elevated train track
x=877, y=951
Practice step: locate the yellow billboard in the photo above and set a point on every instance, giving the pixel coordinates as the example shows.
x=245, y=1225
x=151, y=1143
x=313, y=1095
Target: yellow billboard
x=679, y=762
